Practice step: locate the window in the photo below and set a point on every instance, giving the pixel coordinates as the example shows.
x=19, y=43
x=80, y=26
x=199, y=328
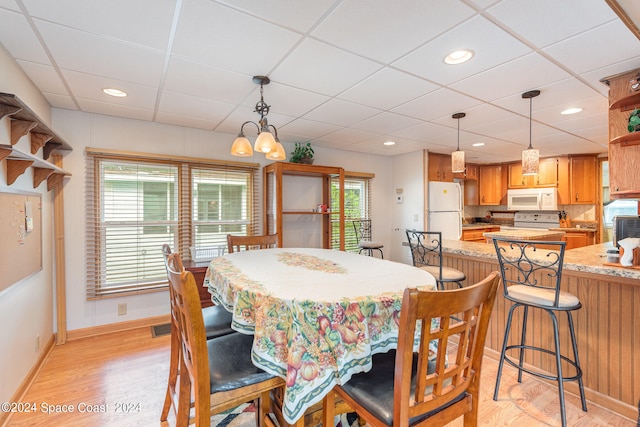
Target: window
x=137, y=203
x=357, y=201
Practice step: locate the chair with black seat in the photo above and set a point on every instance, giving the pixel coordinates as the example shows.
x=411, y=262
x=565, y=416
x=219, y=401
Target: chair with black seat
x=215, y=374
x=407, y=387
x=426, y=253
x=531, y=276
x=362, y=228
x=217, y=322
x=238, y=243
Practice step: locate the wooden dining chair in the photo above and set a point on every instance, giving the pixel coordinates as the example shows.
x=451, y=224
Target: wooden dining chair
x=238, y=243
x=215, y=374
x=426, y=253
x=217, y=322
x=405, y=388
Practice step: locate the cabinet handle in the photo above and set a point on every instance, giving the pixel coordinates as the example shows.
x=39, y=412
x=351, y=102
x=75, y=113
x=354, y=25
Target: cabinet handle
x=576, y=197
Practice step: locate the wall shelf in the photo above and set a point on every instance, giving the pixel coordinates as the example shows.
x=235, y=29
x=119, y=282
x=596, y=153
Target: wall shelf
x=626, y=140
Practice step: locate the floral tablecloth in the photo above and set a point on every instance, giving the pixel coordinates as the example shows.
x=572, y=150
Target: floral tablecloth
x=317, y=315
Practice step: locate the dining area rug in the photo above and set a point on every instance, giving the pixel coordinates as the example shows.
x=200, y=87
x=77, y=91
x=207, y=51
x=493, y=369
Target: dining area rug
x=244, y=416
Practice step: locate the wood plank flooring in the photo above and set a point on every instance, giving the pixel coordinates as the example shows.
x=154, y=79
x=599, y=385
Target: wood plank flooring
x=123, y=377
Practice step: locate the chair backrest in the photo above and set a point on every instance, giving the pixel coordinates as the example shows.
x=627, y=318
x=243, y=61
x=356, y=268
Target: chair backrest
x=194, y=361
x=537, y=264
x=426, y=248
x=457, y=320
x=362, y=228
x=238, y=243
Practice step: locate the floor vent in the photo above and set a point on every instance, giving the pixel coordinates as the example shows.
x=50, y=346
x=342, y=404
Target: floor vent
x=160, y=330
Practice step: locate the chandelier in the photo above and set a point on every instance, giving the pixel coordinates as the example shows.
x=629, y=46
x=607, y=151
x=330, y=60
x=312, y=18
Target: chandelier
x=266, y=142
x=530, y=156
x=457, y=157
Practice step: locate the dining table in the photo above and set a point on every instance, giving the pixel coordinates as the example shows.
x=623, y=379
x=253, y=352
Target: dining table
x=317, y=315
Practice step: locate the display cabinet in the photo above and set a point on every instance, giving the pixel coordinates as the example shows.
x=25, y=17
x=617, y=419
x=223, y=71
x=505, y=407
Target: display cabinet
x=321, y=214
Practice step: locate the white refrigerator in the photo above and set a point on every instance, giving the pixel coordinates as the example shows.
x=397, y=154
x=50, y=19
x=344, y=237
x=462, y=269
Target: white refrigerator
x=444, y=211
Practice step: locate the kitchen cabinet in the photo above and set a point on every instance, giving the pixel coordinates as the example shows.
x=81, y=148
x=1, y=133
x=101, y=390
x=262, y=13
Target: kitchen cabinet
x=470, y=173
x=583, y=180
x=477, y=234
x=624, y=146
x=439, y=167
x=490, y=183
x=578, y=239
x=331, y=222
x=547, y=175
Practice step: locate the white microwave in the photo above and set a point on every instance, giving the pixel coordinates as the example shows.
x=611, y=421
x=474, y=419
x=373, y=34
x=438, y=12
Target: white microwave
x=532, y=199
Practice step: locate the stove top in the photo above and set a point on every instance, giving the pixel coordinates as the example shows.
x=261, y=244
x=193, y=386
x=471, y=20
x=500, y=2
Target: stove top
x=536, y=219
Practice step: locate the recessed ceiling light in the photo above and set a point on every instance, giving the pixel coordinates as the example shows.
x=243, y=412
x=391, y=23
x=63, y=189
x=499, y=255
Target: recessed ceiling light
x=459, y=56
x=478, y=144
x=115, y=92
x=571, y=110
x=389, y=143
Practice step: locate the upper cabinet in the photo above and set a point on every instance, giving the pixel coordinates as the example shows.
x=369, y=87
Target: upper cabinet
x=490, y=182
x=43, y=143
x=624, y=146
x=439, y=166
x=547, y=175
x=583, y=180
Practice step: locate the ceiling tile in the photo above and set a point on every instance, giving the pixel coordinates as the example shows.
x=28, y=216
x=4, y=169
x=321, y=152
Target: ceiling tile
x=109, y=109
x=179, y=104
x=146, y=22
x=19, y=40
x=217, y=35
x=341, y=113
x=439, y=103
x=45, y=77
x=492, y=46
x=522, y=74
x=384, y=30
x=388, y=88
x=560, y=19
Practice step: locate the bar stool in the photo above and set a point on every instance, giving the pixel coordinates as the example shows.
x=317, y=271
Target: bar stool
x=531, y=278
x=362, y=228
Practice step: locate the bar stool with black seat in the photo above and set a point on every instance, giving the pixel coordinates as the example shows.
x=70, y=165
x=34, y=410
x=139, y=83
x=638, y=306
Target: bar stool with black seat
x=531, y=277
x=362, y=228
x=426, y=253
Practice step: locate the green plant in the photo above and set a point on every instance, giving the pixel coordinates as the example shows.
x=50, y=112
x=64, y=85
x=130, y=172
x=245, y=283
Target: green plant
x=300, y=152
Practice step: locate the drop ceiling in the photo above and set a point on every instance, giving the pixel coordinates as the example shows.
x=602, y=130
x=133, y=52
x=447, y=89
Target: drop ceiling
x=345, y=74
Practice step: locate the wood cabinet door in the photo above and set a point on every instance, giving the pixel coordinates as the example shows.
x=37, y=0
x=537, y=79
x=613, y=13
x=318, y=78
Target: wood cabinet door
x=575, y=240
x=516, y=180
x=548, y=173
x=583, y=180
x=490, y=184
x=439, y=168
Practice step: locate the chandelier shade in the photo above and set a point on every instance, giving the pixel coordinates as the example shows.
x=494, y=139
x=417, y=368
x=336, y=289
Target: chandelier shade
x=457, y=157
x=530, y=156
x=266, y=143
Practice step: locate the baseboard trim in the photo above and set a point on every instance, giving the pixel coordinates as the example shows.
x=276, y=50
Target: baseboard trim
x=593, y=397
x=116, y=327
x=28, y=380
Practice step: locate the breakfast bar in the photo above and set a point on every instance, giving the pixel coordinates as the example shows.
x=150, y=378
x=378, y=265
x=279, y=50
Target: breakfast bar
x=606, y=326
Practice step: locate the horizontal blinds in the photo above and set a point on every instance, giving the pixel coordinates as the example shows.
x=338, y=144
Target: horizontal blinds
x=134, y=206
x=357, y=206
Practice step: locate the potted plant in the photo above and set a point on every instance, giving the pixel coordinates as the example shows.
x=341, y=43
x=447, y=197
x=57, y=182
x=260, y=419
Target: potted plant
x=302, y=154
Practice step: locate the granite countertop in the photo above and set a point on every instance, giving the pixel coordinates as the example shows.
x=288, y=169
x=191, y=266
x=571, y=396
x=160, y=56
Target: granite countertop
x=589, y=259
x=581, y=229
x=526, y=234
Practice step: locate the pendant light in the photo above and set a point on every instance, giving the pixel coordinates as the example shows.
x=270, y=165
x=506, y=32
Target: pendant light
x=267, y=142
x=530, y=156
x=457, y=157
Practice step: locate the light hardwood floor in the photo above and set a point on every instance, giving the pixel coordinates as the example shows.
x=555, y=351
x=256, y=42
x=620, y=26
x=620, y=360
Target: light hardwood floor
x=127, y=372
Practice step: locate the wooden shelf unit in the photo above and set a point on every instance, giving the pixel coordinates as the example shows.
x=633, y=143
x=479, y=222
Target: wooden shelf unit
x=273, y=199
x=26, y=122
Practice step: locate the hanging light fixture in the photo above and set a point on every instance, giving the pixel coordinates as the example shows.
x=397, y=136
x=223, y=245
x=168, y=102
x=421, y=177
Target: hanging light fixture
x=457, y=157
x=530, y=156
x=266, y=142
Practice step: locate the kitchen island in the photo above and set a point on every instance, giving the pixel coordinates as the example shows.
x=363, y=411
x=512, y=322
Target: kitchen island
x=607, y=325
x=525, y=234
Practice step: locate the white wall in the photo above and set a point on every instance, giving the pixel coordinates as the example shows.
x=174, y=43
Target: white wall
x=26, y=307
x=92, y=130
x=408, y=174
